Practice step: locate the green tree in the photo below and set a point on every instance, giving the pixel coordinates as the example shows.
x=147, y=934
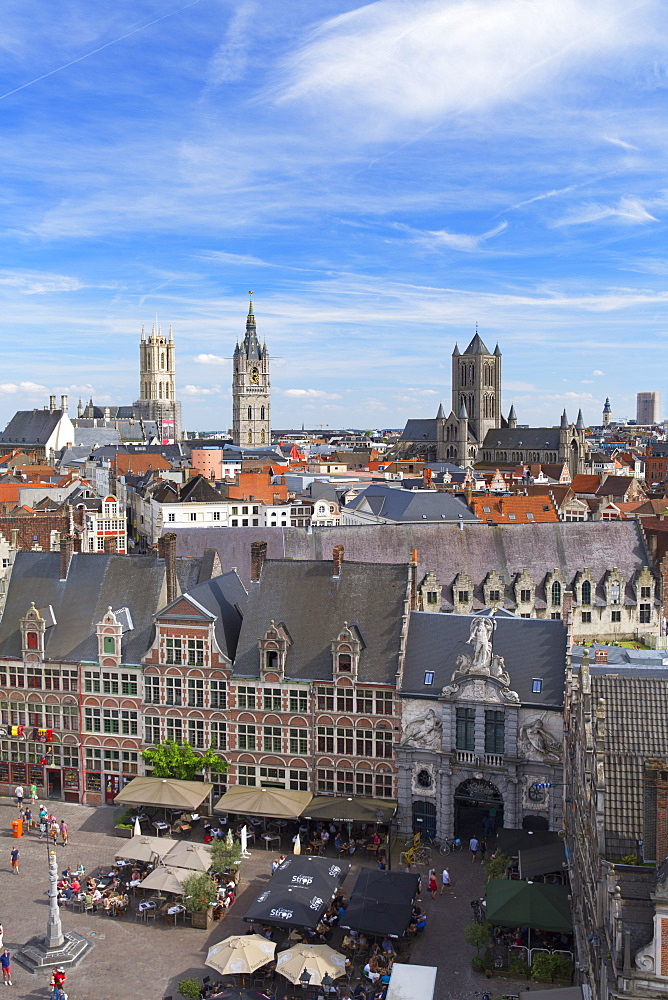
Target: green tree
x=190, y=988
x=179, y=760
x=477, y=935
x=199, y=891
x=225, y=857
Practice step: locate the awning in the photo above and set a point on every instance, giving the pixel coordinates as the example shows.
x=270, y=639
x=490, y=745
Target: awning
x=524, y=904
x=145, y=848
x=381, y=902
x=565, y=993
x=279, y=803
x=511, y=841
x=168, y=793
x=299, y=892
x=350, y=810
x=542, y=860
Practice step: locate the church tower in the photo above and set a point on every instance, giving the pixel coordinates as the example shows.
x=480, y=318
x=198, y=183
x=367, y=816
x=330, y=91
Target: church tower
x=251, y=424
x=157, y=384
x=476, y=385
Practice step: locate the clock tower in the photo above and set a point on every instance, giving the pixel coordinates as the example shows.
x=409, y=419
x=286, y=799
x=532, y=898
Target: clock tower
x=251, y=425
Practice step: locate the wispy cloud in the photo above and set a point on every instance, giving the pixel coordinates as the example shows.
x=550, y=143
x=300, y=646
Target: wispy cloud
x=29, y=388
x=38, y=282
x=440, y=239
x=310, y=394
x=626, y=210
x=200, y=390
x=210, y=359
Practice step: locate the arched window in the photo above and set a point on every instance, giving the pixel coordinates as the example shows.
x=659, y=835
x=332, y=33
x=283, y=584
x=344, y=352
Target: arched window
x=556, y=594
x=162, y=359
x=32, y=641
x=159, y=390
x=262, y=438
x=585, y=593
x=462, y=375
x=250, y=437
x=262, y=413
x=250, y=412
x=471, y=375
x=345, y=663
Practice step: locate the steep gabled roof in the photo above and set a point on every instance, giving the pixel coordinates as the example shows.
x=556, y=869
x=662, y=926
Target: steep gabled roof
x=476, y=346
x=31, y=427
x=221, y=600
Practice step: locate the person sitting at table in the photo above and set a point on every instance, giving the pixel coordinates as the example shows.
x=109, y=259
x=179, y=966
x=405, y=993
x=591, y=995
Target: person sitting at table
x=67, y=872
x=371, y=972
x=324, y=836
x=360, y=992
x=375, y=839
x=91, y=883
x=228, y=900
x=96, y=896
x=268, y=933
x=421, y=922
x=218, y=910
x=75, y=885
x=106, y=904
x=387, y=945
x=338, y=842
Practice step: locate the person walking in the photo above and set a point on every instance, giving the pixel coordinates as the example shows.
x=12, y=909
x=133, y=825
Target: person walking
x=18, y=792
x=6, y=966
x=57, y=983
x=27, y=818
x=446, y=882
x=433, y=884
x=482, y=847
x=43, y=829
x=33, y=794
x=2, y=937
x=474, y=844
x=64, y=832
x=15, y=855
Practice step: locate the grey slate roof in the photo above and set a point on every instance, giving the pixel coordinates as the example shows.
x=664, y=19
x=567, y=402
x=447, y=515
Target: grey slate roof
x=531, y=647
x=401, y=505
x=313, y=606
x=94, y=582
x=95, y=437
x=224, y=598
x=31, y=427
x=420, y=430
x=535, y=438
x=635, y=729
x=476, y=346
x=445, y=549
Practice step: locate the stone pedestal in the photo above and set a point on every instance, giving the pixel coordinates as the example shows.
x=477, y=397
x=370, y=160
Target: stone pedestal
x=55, y=948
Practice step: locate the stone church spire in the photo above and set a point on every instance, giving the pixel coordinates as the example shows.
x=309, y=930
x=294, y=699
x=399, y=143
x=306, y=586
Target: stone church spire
x=251, y=424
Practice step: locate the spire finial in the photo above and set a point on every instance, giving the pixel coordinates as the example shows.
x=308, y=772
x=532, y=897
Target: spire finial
x=250, y=304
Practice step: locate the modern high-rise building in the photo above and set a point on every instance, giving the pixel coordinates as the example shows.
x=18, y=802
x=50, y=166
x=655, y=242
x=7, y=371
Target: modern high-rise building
x=157, y=384
x=648, y=407
x=251, y=424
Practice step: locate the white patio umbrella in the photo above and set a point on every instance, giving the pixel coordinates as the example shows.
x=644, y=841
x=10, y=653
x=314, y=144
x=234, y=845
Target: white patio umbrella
x=244, y=842
x=297, y=849
x=240, y=954
x=187, y=855
x=318, y=960
x=137, y=828
x=145, y=848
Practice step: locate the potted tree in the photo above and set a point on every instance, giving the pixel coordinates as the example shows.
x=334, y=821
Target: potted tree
x=199, y=895
x=124, y=825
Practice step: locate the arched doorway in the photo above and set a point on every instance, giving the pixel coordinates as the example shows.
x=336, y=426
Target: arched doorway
x=424, y=817
x=478, y=808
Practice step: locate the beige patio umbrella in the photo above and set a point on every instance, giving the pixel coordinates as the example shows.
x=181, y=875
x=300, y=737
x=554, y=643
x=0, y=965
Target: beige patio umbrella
x=163, y=879
x=318, y=960
x=240, y=954
x=169, y=793
x=145, y=848
x=186, y=855
x=279, y=803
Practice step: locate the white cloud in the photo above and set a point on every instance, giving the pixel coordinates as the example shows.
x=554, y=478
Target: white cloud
x=243, y=260
x=391, y=62
x=597, y=372
x=31, y=388
x=310, y=394
x=211, y=359
x=39, y=282
x=440, y=238
x=626, y=209
x=620, y=142
x=200, y=390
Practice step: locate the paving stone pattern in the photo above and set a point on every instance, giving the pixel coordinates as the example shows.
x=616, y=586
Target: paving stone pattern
x=145, y=961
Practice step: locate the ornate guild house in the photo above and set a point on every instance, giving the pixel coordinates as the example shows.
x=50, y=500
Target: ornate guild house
x=482, y=700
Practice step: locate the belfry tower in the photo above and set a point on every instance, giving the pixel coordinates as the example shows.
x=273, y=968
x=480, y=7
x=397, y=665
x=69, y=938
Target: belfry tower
x=157, y=384
x=251, y=424
x=476, y=385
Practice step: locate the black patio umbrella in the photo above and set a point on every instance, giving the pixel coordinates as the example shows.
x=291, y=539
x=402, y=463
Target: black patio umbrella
x=381, y=902
x=298, y=893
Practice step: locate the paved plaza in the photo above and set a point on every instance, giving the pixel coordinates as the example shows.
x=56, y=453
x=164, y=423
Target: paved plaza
x=138, y=961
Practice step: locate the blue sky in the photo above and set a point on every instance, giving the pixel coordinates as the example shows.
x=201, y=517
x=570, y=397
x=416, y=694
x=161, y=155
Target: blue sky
x=383, y=176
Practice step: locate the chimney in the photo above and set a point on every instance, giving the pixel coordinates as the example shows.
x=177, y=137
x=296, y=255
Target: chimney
x=661, y=813
x=66, y=550
x=63, y=403
x=167, y=551
x=412, y=576
x=337, y=555
x=601, y=656
x=258, y=556
x=52, y=403
x=15, y=536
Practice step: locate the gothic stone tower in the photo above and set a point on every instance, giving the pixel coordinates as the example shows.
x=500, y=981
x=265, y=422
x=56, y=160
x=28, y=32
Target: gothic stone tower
x=251, y=425
x=157, y=384
x=476, y=385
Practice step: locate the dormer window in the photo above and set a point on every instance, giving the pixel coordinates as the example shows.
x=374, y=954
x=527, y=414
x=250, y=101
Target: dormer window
x=32, y=640
x=271, y=659
x=615, y=591
x=345, y=663
x=273, y=649
x=109, y=644
x=346, y=650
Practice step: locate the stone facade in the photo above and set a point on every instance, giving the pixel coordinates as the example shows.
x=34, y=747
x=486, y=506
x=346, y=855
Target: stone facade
x=251, y=420
x=475, y=746
x=157, y=384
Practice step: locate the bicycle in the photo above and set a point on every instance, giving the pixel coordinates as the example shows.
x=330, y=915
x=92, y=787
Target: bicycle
x=451, y=844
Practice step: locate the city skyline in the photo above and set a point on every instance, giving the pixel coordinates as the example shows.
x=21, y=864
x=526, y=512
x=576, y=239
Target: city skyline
x=384, y=176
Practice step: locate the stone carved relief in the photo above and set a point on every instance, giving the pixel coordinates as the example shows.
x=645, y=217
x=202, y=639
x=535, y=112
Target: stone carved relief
x=423, y=733
x=535, y=799
x=481, y=663
x=536, y=741
x=423, y=782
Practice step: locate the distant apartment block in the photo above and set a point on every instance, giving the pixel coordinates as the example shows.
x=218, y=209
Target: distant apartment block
x=648, y=407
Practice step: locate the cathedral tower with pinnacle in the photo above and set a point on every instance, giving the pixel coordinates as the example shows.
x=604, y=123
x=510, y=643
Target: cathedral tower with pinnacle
x=476, y=385
x=157, y=384
x=251, y=424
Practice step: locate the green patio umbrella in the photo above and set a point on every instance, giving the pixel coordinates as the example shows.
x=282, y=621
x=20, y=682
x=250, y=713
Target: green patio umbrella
x=529, y=904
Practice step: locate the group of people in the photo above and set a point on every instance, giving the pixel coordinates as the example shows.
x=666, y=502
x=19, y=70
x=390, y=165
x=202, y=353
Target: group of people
x=227, y=893
x=111, y=897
